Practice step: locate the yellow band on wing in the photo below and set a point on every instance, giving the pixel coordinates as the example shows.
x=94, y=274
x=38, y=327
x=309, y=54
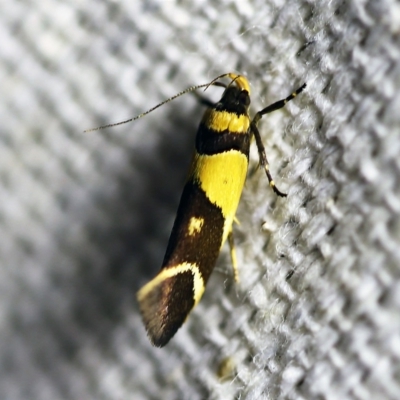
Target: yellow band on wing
x=222, y=121
x=198, y=283
x=221, y=176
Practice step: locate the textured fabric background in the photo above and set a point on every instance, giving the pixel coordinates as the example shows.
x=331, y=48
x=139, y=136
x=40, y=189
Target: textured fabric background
x=85, y=218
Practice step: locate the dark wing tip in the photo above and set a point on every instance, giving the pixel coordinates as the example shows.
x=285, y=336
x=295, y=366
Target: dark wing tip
x=164, y=306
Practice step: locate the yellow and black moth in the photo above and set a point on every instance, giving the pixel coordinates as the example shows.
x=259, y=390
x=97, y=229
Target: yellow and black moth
x=207, y=207
x=206, y=211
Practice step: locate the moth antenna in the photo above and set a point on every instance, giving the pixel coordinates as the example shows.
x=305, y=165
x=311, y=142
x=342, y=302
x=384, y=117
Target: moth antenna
x=190, y=89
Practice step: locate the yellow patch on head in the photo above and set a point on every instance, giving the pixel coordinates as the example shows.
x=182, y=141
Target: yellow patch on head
x=241, y=81
x=195, y=225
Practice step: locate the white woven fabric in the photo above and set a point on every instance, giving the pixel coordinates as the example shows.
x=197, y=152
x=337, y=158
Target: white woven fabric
x=85, y=218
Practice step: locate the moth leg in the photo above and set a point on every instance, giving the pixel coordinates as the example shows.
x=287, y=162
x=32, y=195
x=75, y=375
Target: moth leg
x=204, y=100
x=277, y=105
x=261, y=149
x=263, y=160
x=233, y=256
